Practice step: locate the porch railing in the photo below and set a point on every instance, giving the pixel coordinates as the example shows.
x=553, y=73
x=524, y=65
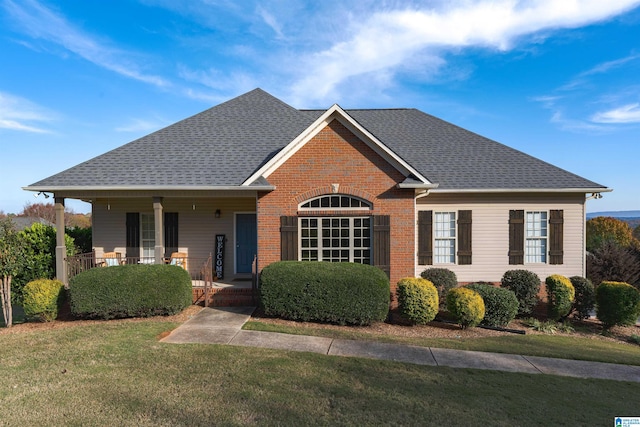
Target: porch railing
x=200, y=269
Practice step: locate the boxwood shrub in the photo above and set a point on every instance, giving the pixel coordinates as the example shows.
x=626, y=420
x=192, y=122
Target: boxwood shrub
x=585, y=299
x=617, y=303
x=526, y=285
x=417, y=300
x=342, y=293
x=443, y=279
x=130, y=291
x=560, y=296
x=466, y=306
x=500, y=304
x=42, y=298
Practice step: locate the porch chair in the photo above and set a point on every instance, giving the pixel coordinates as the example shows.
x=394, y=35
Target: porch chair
x=111, y=259
x=179, y=259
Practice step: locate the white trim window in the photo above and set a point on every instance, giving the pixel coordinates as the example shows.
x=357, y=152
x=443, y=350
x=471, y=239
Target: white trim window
x=335, y=238
x=147, y=236
x=444, y=238
x=535, y=247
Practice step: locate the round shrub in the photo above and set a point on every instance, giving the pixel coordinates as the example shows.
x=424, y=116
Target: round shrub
x=466, y=306
x=135, y=290
x=500, y=304
x=42, y=298
x=443, y=279
x=417, y=300
x=585, y=299
x=560, y=296
x=342, y=293
x=617, y=303
x=526, y=285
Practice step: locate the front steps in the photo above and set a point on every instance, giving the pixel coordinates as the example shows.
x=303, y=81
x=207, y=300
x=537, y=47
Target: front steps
x=225, y=297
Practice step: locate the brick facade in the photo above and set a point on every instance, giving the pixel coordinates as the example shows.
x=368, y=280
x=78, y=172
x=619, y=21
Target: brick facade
x=336, y=156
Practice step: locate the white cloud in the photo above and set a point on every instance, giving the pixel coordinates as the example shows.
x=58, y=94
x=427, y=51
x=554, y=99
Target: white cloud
x=20, y=114
x=385, y=40
x=40, y=22
x=626, y=114
x=271, y=21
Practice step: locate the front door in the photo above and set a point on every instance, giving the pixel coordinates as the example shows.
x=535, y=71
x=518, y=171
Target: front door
x=246, y=241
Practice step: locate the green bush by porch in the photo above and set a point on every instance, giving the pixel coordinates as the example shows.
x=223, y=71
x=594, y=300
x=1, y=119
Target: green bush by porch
x=130, y=291
x=342, y=293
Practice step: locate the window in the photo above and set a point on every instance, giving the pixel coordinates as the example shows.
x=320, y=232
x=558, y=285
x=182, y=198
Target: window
x=336, y=239
x=148, y=236
x=444, y=234
x=335, y=202
x=535, y=248
x=445, y=237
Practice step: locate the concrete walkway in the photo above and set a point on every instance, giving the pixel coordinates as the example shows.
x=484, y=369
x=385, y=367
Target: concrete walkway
x=223, y=325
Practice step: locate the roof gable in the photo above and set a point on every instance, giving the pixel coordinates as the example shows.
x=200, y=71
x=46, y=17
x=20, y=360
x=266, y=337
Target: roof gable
x=337, y=113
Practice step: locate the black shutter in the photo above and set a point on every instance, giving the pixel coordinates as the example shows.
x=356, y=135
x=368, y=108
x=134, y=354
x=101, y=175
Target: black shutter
x=425, y=237
x=556, y=237
x=170, y=233
x=516, y=237
x=288, y=238
x=382, y=243
x=133, y=236
x=464, y=237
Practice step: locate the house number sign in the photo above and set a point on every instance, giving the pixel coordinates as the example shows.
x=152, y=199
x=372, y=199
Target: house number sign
x=219, y=261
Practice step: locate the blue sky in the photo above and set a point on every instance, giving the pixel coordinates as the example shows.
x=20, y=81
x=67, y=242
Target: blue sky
x=556, y=79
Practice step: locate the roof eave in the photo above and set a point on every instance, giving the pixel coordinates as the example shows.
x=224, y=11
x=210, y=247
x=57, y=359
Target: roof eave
x=524, y=190
x=418, y=186
x=53, y=189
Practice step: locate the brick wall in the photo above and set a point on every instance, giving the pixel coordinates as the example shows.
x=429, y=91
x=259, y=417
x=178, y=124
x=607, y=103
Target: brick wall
x=337, y=156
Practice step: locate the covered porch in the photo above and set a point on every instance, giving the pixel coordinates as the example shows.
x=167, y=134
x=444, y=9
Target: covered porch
x=207, y=288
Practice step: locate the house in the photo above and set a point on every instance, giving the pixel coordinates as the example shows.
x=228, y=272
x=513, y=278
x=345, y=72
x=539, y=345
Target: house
x=396, y=188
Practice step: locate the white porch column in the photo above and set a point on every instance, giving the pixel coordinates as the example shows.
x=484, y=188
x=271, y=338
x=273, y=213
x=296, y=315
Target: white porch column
x=61, y=249
x=158, y=219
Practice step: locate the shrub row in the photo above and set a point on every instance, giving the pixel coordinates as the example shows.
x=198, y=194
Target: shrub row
x=525, y=285
x=443, y=279
x=342, y=293
x=130, y=291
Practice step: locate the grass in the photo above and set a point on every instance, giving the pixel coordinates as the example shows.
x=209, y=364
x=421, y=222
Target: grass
x=117, y=373
x=560, y=346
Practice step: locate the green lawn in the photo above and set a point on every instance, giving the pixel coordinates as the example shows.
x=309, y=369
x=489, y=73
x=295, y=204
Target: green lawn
x=561, y=346
x=117, y=373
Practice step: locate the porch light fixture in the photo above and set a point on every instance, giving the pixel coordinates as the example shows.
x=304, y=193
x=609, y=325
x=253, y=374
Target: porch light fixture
x=217, y=214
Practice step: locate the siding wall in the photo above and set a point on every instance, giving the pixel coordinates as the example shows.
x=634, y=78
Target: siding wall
x=196, y=228
x=490, y=232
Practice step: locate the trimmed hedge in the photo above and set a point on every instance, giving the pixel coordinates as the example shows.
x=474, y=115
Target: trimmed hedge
x=342, y=293
x=443, y=279
x=130, y=291
x=42, y=298
x=466, y=306
x=560, y=296
x=585, y=299
x=617, y=303
x=417, y=300
x=500, y=304
x=526, y=285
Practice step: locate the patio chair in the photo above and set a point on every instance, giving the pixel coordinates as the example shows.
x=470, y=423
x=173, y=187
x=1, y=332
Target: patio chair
x=179, y=259
x=111, y=259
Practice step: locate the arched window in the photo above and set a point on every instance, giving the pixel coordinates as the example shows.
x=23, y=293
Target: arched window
x=335, y=201
x=339, y=238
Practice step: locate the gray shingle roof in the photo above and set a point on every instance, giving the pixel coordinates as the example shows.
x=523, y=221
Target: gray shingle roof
x=224, y=145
